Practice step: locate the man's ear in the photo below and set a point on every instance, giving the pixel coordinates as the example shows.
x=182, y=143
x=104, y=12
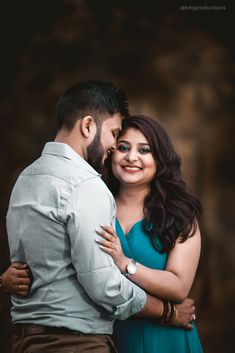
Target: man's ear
x=87, y=126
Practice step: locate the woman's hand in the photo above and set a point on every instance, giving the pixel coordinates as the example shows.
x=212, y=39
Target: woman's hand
x=112, y=246
x=17, y=279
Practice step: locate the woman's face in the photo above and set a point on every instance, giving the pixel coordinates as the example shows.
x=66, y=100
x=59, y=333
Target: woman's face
x=132, y=162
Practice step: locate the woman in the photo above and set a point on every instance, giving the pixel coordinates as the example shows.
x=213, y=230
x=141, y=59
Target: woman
x=158, y=242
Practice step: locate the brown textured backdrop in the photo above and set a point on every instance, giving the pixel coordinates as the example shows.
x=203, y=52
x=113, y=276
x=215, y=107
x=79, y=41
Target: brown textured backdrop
x=176, y=65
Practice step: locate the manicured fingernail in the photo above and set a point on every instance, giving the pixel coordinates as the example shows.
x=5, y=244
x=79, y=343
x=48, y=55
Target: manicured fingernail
x=97, y=240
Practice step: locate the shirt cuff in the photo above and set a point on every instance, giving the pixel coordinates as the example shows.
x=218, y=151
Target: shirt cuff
x=132, y=306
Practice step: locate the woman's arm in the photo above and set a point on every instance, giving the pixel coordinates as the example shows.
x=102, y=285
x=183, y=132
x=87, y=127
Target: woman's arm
x=16, y=279
x=174, y=283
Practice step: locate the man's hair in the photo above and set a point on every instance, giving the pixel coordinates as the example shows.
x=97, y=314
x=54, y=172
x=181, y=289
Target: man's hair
x=96, y=98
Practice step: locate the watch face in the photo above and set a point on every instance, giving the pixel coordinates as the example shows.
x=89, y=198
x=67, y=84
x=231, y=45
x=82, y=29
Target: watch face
x=131, y=268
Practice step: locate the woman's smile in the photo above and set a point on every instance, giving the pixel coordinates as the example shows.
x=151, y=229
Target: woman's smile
x=132, y=168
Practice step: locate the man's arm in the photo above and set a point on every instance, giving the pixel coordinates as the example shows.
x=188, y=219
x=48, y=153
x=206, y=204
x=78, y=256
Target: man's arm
x=179, y=315
x=90, y=205
x=18, y=274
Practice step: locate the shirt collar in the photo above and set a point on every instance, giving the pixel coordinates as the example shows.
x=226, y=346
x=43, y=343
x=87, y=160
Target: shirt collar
x=64, y=150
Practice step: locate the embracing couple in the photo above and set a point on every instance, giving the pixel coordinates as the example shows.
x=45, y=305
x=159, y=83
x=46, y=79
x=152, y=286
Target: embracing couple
x=94, y=261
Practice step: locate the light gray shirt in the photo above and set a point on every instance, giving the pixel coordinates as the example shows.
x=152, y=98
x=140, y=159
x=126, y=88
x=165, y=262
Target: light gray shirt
x=55, y=207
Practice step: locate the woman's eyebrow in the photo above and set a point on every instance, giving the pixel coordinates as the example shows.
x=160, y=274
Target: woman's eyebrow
x=143, y=144
x=123, y=141
x=138, y=143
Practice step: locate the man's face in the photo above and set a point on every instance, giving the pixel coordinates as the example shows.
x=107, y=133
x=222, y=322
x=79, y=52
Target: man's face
x=104, y=142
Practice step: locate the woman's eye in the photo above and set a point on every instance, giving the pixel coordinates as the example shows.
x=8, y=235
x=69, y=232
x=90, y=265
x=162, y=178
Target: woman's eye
x=144, y=150
x=122, y=148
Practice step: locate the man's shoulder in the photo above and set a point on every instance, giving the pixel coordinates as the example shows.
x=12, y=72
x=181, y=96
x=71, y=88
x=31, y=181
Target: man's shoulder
x=95, y=192
x=59, y=168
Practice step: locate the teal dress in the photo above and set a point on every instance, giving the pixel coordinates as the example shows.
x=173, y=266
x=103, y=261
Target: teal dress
x=143, y=336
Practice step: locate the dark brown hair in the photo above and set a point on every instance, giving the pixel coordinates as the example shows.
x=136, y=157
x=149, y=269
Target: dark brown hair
x=96, y=98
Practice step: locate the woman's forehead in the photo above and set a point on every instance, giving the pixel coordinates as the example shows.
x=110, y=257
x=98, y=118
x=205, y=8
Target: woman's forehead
x=132, y=134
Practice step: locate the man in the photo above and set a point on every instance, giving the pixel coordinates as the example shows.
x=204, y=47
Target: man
x=56, y=206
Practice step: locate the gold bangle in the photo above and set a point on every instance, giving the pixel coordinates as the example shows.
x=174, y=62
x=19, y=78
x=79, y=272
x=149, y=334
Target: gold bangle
x=176, y=312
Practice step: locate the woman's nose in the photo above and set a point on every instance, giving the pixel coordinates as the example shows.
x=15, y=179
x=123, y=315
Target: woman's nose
x=131, y=156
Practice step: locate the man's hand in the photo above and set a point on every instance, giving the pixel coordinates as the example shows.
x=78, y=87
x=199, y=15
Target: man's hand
x=17, y=279
x=185, y=314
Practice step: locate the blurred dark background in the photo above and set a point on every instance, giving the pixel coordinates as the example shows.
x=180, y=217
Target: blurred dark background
x=176, y=65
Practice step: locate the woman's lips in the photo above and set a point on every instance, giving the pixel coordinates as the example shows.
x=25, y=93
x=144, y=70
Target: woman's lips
x=131, y=169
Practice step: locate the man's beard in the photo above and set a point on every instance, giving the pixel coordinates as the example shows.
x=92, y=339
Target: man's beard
x=95, y=153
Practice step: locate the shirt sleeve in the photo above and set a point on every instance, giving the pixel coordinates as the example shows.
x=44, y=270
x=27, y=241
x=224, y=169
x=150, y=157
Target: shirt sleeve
x=91, y=204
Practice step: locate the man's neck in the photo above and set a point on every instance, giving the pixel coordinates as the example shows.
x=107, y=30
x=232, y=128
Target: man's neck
x=67, y=137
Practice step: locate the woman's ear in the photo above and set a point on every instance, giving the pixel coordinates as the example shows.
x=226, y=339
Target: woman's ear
x=88, y=126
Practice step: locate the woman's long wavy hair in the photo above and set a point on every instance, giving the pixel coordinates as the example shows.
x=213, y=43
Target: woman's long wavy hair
x=170, y=209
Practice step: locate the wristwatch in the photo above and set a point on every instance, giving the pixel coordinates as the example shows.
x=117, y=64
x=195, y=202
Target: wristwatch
x=131, y=268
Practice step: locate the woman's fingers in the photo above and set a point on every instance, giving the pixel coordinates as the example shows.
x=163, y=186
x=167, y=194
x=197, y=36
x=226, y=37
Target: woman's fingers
x=22, y=288
x=23, y=273
x=109, y=241
x=21, y=270
x=20, y=265
x=105, y=235
x=107, y=244
x=24, y=281
x=22, y=292
x=109, y=230
x=22, y=285
x=107, y=250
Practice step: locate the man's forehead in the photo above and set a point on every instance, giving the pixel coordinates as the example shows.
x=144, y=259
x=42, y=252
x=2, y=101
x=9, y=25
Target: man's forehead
x=114, y=122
